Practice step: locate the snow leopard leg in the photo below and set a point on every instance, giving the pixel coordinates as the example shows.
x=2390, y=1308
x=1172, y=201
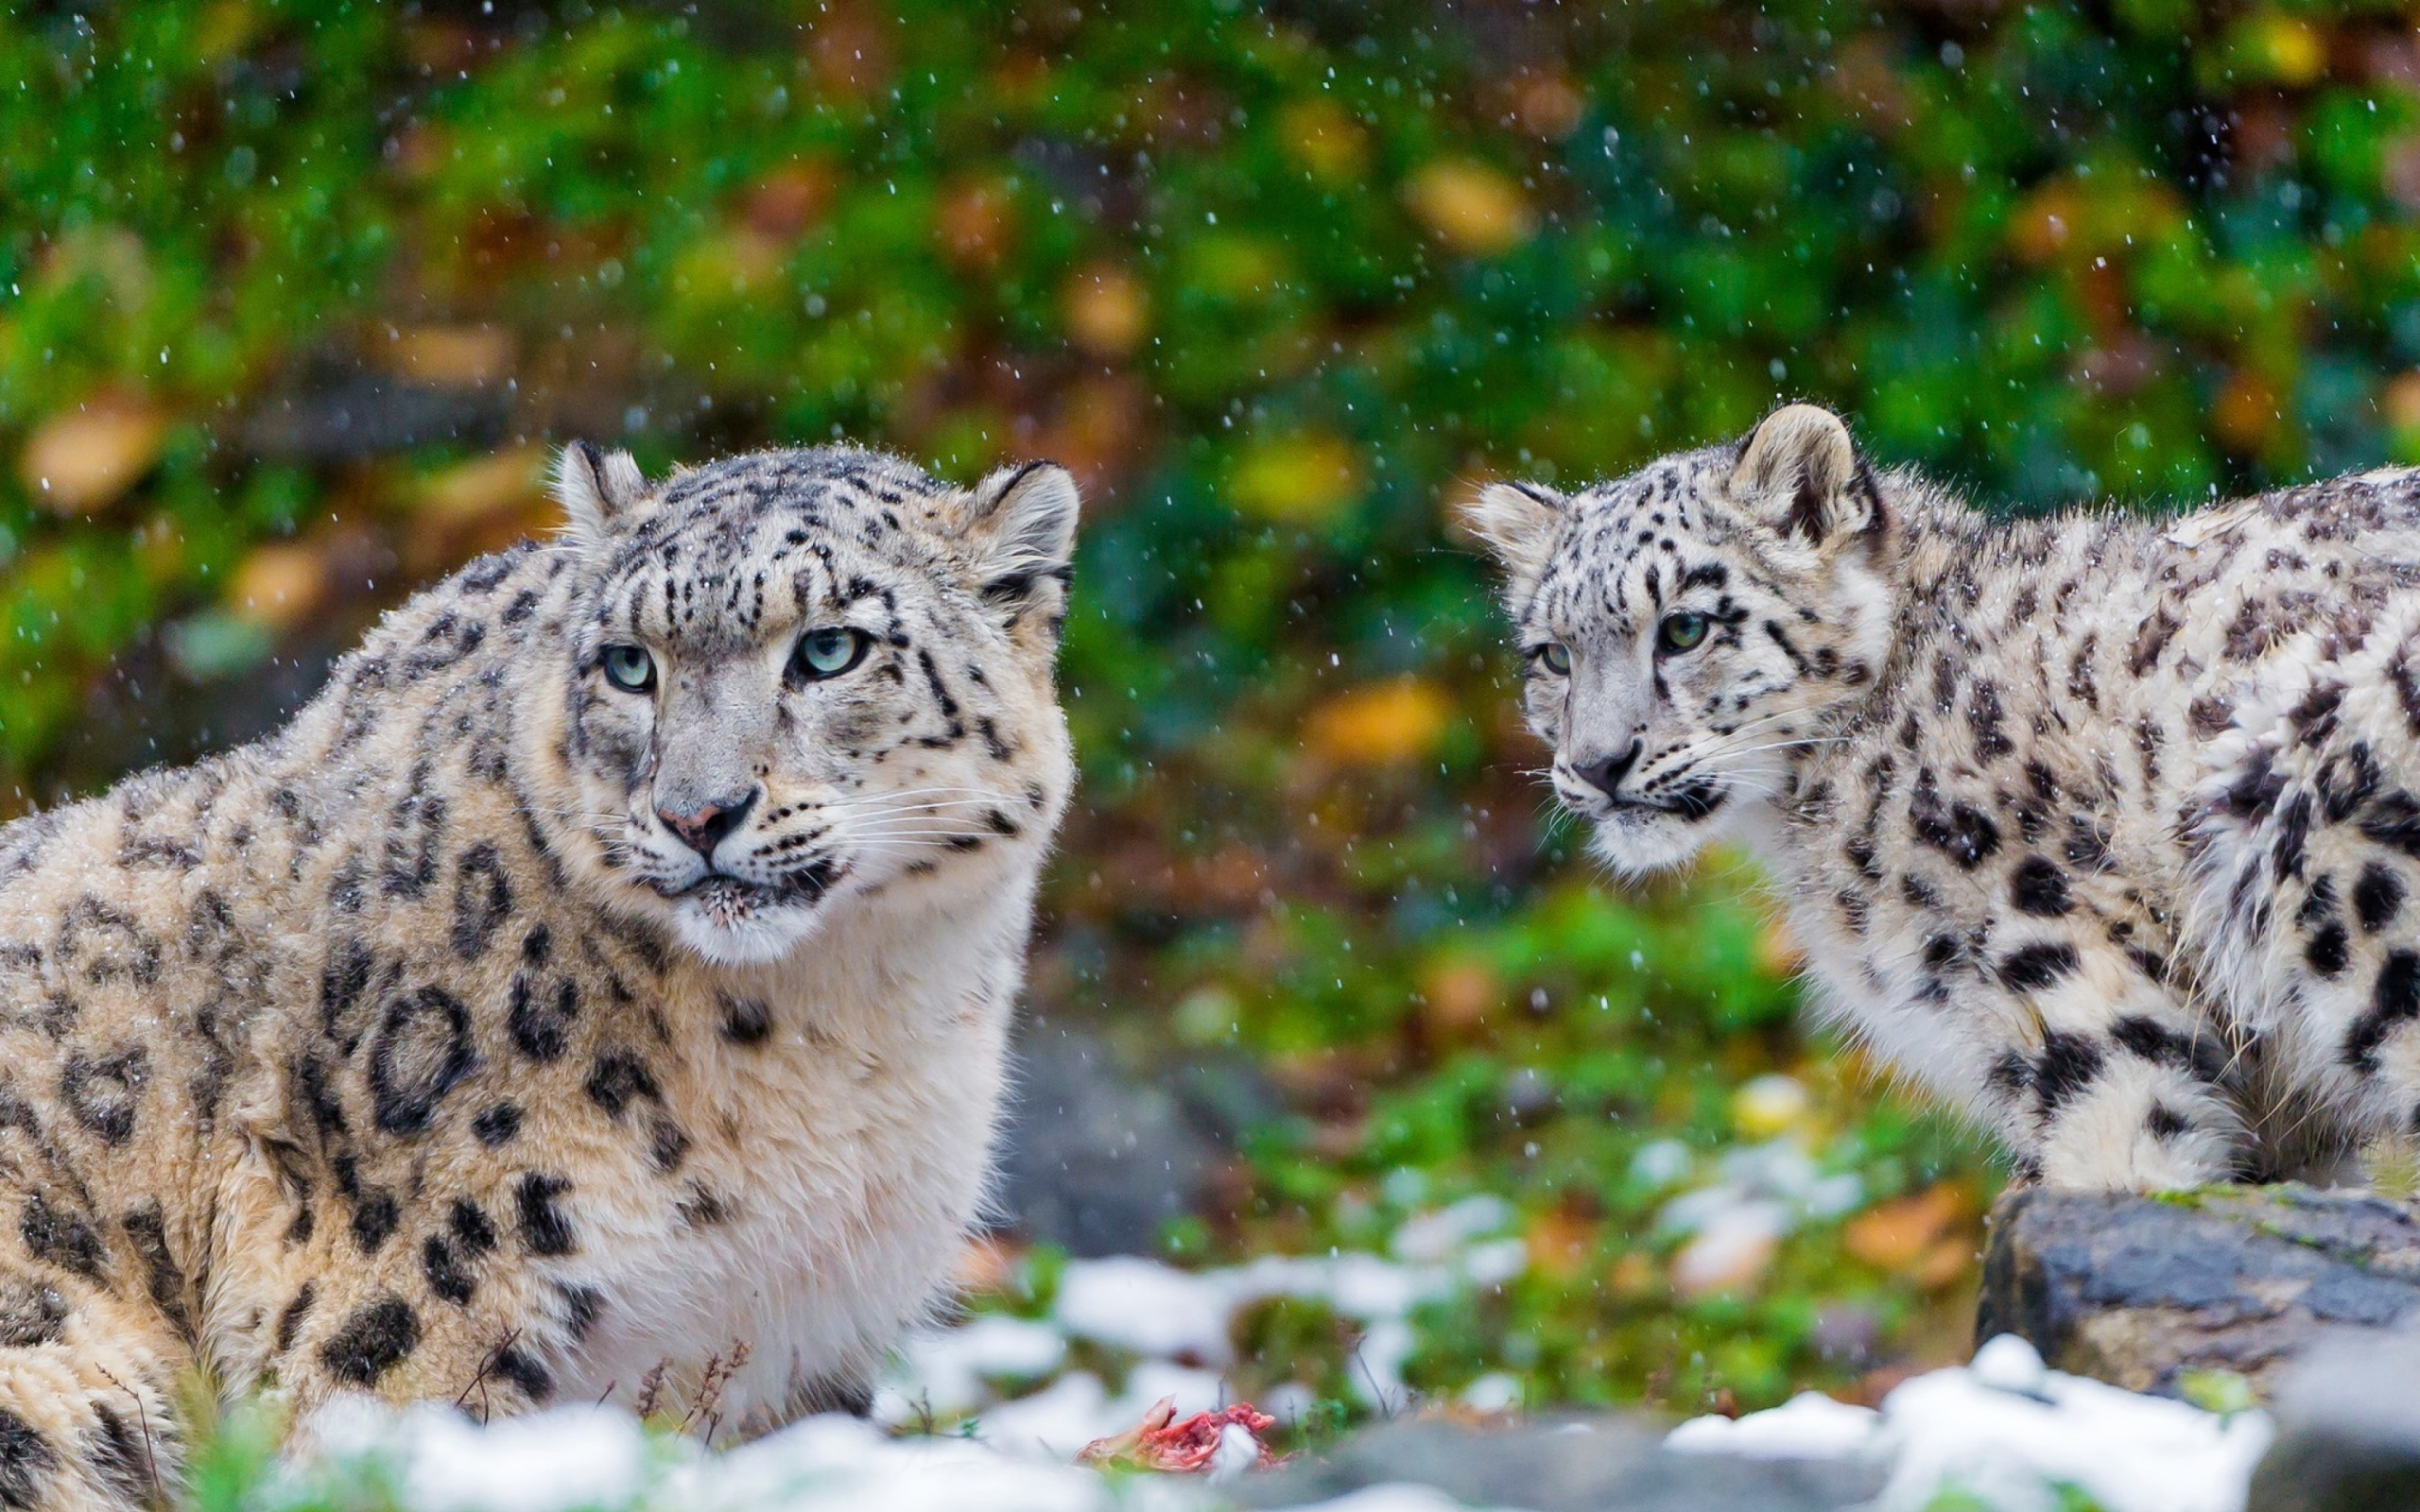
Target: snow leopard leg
x=87, y=1388
x=2108, y=1081
x=2356, y=970
x=2310, y=853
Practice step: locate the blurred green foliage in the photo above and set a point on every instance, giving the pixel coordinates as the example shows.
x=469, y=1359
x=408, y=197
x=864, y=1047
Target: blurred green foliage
x=291, y=294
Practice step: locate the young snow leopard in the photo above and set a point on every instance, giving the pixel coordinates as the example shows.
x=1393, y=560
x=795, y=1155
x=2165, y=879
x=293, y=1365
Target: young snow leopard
x=611, y=968
x=2105, y=828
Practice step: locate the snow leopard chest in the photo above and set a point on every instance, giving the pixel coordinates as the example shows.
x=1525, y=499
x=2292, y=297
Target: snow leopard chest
x=823, y=1206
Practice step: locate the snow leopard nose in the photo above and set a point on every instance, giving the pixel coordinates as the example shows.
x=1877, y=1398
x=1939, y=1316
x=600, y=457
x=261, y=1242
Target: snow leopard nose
x=1606, y=773
x=704, y=827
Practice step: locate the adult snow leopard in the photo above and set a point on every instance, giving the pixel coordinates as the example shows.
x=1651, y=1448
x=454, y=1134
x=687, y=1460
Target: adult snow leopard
x=2104, y=827
x=600, y=987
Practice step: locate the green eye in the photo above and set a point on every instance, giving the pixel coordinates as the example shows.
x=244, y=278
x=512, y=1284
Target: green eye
x=827, y=653
x=628, y=668
x=1681, y=632
x=1556, y=658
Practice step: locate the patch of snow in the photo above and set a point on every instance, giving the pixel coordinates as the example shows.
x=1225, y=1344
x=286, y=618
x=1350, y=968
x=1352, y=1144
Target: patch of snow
x=1193, y=1390
x=440, y=1461
x=1056, y=1421
x=2007, y=1363
x=1833, y=1197
x=570, y=1457
x=2129, y=1453
x=1732, y=1244
x=1761, y=1192
x=1809, y=1426
x=1177, y=1326
x=1139, y=1304
x=1237, y=1451
x=2009, y=1433
x=1496, y=1391
x=1288, y=1401
x=952, y=1364
x=1431, y=1238
x=1076, y=1409
x=1661, y=1163
x=836, y=1464
x=1376, y=1366
x=1493, y=1265
x=1395, y=1496
x=1359, y=1285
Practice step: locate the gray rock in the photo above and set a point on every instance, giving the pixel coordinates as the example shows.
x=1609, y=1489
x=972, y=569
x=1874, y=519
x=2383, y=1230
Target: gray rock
x=1093, y=1160
x=2348, y=1429
x=1598, y=1463
x=2137, y=1290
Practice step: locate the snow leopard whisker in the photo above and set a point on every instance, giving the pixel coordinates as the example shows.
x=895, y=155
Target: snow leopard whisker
x=1719, y=760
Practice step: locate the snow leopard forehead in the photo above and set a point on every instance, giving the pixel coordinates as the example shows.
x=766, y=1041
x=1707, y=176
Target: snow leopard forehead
x=725, y=555
x=1625, y=547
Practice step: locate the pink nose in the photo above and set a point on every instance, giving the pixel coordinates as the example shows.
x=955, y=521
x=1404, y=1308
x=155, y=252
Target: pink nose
x=704, y=829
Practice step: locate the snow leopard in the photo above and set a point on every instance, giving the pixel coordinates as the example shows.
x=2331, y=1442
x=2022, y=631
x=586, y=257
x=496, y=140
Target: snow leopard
x=598, y=991
x=2103, y=826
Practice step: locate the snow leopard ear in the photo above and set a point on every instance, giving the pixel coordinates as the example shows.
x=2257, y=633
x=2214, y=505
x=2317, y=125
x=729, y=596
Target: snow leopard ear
x=1517, y=523
x=1800, y=473
x=595, y=490
x=1019, y=526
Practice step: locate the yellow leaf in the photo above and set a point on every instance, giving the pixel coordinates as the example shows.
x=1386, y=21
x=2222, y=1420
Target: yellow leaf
x=1299, y=480
x=1470, y=207
x=1634, y=1276
x=489, y=486
x=2289, y=49
x=740, y=260
x=1108, y=314
x=1770, y=1105
x=451, y=356
x=1380, y=726
x=1324, y=139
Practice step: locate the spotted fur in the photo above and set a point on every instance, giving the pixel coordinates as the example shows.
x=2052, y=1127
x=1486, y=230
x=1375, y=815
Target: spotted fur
x=2099, y=825
x=415, y=1051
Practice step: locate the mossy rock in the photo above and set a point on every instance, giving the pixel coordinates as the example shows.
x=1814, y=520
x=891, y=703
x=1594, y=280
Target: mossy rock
x=2151, y=1293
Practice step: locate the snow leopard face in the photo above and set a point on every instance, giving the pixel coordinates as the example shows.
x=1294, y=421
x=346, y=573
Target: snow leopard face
x=1685, y=627
x=801, y=676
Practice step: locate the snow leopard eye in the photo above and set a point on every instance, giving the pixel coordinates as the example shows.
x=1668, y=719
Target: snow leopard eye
x=829, y=652
x=1555, y=656
x=628, y=668
x=1681, y=632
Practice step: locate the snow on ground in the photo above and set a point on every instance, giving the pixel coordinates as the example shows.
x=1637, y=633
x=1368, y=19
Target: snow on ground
x=988, y=1416
x=1000, y=1375
x=2007, y=1431
x=1759, y=1194
x=580, y=1459
x=2004, y=1431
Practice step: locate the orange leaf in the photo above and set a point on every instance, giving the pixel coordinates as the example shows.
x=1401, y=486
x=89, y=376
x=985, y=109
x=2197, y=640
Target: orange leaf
x=81, y=461
x=1895, y=1235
